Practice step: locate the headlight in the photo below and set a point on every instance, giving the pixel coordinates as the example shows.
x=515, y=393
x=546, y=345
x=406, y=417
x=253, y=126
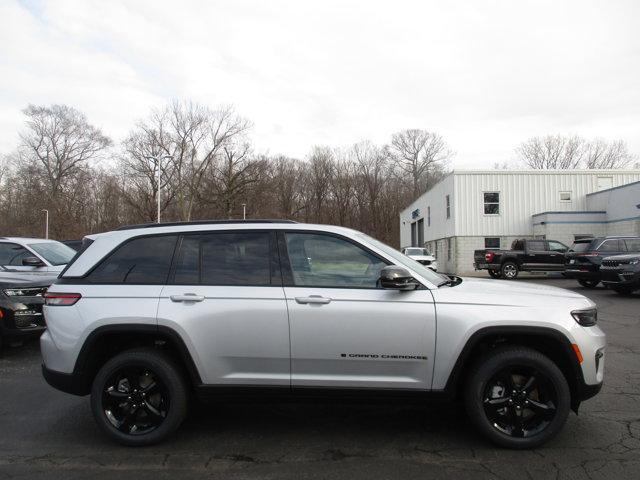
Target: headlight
x=634, y=262
x=586, y=318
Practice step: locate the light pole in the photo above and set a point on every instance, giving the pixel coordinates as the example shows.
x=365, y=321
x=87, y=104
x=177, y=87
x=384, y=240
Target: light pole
x=244, y=211
x=158, y=159
x=46, y=223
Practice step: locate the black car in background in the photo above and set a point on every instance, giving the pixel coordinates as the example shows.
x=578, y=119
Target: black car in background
x=21, y=300
x=621, y=273
x=583, y=259
x=75, y=244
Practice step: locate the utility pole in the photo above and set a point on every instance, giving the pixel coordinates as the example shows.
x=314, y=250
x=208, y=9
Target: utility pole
x=46, y=223
x=158, y=159
x=244, y=211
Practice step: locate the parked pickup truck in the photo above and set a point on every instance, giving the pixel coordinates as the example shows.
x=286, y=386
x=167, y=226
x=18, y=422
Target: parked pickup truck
x=524, y=256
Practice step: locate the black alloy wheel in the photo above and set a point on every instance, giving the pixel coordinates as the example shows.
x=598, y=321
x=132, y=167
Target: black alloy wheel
x=520, y=401
x=517, y=397
x=135, y=400
x=139, y=397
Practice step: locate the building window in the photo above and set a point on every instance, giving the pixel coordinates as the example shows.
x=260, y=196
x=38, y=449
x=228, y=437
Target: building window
x=449, y=242
x=565, y=196
x=491, y=203
x=448, y=206
x=492, y=243
x=428, y=216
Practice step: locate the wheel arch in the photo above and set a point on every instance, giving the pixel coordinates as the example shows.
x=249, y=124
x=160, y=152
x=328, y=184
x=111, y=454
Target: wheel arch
x=109, y=340
x=548, y=341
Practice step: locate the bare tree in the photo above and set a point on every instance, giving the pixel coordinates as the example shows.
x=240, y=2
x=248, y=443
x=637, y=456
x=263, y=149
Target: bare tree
x=417, y=153
x=559, y=152
x=601, y=154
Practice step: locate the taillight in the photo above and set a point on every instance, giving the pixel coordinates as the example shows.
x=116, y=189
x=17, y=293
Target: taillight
x=61, y=299
x=489, y=256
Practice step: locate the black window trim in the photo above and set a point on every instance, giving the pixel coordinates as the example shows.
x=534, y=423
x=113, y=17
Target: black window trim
x=287, y=273
x=275, y=277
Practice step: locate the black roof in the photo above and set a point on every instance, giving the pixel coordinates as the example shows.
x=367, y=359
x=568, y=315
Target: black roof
x=199, y=222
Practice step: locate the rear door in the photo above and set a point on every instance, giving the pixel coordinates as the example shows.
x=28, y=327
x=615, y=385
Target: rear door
x=345, y=331
x=537, y=255
x=225, y=298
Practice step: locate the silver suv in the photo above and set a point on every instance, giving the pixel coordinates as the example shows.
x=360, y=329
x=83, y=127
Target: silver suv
x=147, y=315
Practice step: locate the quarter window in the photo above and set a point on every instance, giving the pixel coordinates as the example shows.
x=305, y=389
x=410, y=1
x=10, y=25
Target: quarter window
x=609, y=246
x=491, y=203
x=633, y=244
x=326, y=261
x=140, y=261
x=224, y=259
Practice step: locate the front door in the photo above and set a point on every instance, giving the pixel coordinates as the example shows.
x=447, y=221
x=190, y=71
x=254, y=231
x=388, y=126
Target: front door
x=225, y=298
x=556, y=254
x=345, y=331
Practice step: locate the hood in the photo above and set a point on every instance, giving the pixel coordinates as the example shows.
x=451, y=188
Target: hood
x=622, y=258
x=23, y=279
x=477, y=291
x=431, y=258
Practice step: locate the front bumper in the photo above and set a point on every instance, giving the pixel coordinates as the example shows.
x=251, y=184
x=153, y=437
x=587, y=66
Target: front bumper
x=619, y=277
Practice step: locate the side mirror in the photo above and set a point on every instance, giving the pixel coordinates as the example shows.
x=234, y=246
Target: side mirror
x=397, y=278
x=32, y=262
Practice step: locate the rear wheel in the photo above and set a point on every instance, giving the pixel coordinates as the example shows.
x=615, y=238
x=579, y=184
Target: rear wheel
x=589, y=283
x=495, y=274
x=139, y=397
x=517, y=397
x=509, y=270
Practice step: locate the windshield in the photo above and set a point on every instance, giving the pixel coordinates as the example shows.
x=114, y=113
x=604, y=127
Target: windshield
x=55, y=253
x=408, y=262
x=415, y=251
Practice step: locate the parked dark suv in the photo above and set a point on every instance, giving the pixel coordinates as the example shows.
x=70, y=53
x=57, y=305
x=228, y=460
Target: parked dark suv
x=583, y=260
x=621, y=273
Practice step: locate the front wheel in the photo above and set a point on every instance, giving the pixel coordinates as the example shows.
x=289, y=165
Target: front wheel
x=589, y=283
x=509, y=270
x=495, y=274
x=517, y=398
x=139, y=397
x=622, y=290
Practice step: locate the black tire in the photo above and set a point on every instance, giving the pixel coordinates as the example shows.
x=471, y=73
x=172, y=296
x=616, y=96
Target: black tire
x=549, y=392
x=623, y=290
x=495, y=274
x=509, y=270
x=159, y=414
x=589, y=283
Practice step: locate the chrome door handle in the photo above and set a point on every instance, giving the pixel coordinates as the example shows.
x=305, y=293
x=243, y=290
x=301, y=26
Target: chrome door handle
x=313, y=299
x=187, y=297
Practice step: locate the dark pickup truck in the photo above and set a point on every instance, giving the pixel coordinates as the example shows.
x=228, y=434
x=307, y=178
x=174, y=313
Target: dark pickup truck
x=524, y=256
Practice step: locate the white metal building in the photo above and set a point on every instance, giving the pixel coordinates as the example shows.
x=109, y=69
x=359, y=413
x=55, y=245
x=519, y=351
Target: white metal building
x=475, y=209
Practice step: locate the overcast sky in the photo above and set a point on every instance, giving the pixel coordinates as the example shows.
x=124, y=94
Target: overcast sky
x=484, y=74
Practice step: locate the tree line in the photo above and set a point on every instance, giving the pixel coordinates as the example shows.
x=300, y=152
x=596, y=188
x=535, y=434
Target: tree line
x=208, y=168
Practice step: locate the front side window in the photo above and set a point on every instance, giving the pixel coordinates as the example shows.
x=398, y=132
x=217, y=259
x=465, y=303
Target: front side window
x=142, y=261
x=12, y=254
x=610, y=246
x=319, y=260
x=557, y=246
x=55, y=253
x=491, y=203
x=235, y=259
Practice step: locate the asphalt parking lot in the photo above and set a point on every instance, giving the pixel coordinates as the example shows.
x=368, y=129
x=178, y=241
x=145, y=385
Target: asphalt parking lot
x=47, y=434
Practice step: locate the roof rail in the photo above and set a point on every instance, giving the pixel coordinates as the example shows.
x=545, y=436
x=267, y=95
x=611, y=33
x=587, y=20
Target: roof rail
x=200, y=222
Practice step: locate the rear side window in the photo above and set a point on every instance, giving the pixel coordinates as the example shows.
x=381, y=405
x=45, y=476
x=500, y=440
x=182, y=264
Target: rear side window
x=610, y=246
x=581, y=247
x=224, y=259
x=538, y=246
x=633, y=244
x=140, y=261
